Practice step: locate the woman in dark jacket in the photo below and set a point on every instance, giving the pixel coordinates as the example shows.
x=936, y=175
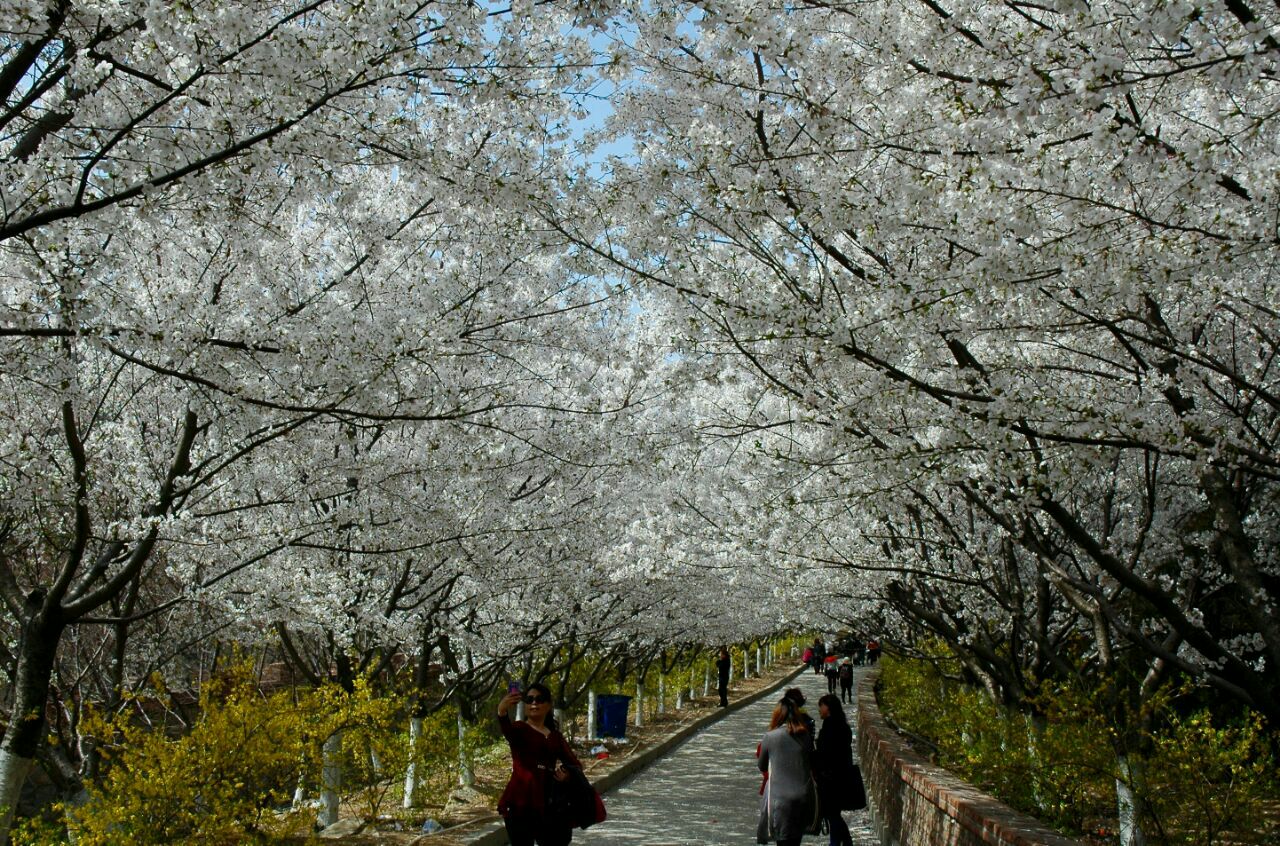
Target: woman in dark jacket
x=538, y=753
x=833, y=766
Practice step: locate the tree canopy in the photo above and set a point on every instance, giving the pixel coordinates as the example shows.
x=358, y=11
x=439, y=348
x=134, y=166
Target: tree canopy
x=333, y=323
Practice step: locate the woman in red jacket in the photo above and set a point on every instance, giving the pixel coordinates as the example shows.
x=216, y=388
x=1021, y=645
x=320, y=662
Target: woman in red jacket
x=539, y=753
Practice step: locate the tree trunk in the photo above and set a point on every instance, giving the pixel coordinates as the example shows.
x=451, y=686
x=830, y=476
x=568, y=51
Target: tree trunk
x=1127, y=798
x=37, y=646
x=412, y=785
x=466, y=770
x=330, y=780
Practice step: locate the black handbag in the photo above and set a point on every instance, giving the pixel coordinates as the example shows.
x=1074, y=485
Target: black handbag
x=574, y=800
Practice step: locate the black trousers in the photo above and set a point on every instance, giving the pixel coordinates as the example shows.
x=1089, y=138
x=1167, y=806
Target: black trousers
x=528, y=830
x=723, y=690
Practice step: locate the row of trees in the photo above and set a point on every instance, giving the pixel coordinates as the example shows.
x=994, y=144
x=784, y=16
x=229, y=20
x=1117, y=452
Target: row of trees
x=286, y=361
x=1005, y=273
x=326, y=320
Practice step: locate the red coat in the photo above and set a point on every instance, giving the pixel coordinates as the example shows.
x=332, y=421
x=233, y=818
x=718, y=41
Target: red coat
x=533, y=759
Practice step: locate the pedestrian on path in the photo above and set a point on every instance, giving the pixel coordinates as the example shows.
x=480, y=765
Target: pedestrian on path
x=796, y=696
x=723, y=665
x=539, y=754
x=846, y=682
x=839, y=781
x=819, y=653
x=788, y=804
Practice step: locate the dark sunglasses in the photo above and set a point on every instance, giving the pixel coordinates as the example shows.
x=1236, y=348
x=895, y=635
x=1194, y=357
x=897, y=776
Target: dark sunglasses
x=535, y=700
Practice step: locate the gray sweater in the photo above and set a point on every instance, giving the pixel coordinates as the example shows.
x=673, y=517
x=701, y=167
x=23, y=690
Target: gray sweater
x=789, y=803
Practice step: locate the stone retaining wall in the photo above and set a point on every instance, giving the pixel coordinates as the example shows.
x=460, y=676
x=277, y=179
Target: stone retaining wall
x=914, y=803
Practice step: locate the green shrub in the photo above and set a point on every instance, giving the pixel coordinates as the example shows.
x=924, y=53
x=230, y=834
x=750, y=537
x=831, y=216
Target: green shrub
x=1202, y=779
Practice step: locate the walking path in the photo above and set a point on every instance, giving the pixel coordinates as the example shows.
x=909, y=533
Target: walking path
x=706, y=791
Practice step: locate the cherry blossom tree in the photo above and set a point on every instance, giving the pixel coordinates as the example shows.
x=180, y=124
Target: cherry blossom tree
x=239, y=242
x=1016, y=262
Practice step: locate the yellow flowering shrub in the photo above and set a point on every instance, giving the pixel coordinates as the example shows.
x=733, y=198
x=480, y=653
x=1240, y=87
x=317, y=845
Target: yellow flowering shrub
x=228, y=780
x=231, y=777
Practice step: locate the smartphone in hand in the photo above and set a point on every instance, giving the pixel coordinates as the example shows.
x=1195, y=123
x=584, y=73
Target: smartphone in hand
x=513, y=687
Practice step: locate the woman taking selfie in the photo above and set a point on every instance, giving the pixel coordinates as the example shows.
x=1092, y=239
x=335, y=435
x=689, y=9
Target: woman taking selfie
x=539, y=753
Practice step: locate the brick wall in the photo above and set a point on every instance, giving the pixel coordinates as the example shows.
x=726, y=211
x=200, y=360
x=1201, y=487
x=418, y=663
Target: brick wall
x=914, y=803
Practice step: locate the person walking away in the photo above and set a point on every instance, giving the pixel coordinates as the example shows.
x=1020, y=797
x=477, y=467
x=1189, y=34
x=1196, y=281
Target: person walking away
x=832, y=672
x=722, y=676
x=819, y=653
x=846, y=681
x=873, y=651
x=539, y=754
x=796, y=695
x=840, y=785
x=788, y=802
x=859, y=651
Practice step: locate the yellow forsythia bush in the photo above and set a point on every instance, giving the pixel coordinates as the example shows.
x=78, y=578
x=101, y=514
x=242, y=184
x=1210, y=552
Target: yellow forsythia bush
x=222, y=782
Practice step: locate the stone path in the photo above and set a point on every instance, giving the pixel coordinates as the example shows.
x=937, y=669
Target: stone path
x=706, y=791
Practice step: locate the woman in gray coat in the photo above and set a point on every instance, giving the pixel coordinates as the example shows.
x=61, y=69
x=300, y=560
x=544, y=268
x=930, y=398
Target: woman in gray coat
x=789, y=800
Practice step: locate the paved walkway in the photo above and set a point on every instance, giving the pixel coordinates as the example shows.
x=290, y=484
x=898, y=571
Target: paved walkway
x=706, y=791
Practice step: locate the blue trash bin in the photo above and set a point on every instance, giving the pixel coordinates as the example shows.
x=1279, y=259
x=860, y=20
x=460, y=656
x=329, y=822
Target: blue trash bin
x=611, y=714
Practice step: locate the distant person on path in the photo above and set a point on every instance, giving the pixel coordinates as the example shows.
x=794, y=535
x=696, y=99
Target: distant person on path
x=839, y=781
x=873, y=651
x=832, y=672
x=723, y=666
x=819, y=653
x=859, y=652
x=539, y=753
x=846, y=682
x=788, y=804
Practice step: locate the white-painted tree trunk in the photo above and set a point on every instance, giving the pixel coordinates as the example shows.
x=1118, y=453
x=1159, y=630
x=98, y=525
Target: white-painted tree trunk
x=562, y=720
x=593, y=731
x=639, y=705
x=466, y=769
x=13, y=774
x=706, y=680
x=412, y=786
x=758, y=660
x=1131, y=833
x=679, y=698
x=662, y=693
x=746, y=664
x=330, y=780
